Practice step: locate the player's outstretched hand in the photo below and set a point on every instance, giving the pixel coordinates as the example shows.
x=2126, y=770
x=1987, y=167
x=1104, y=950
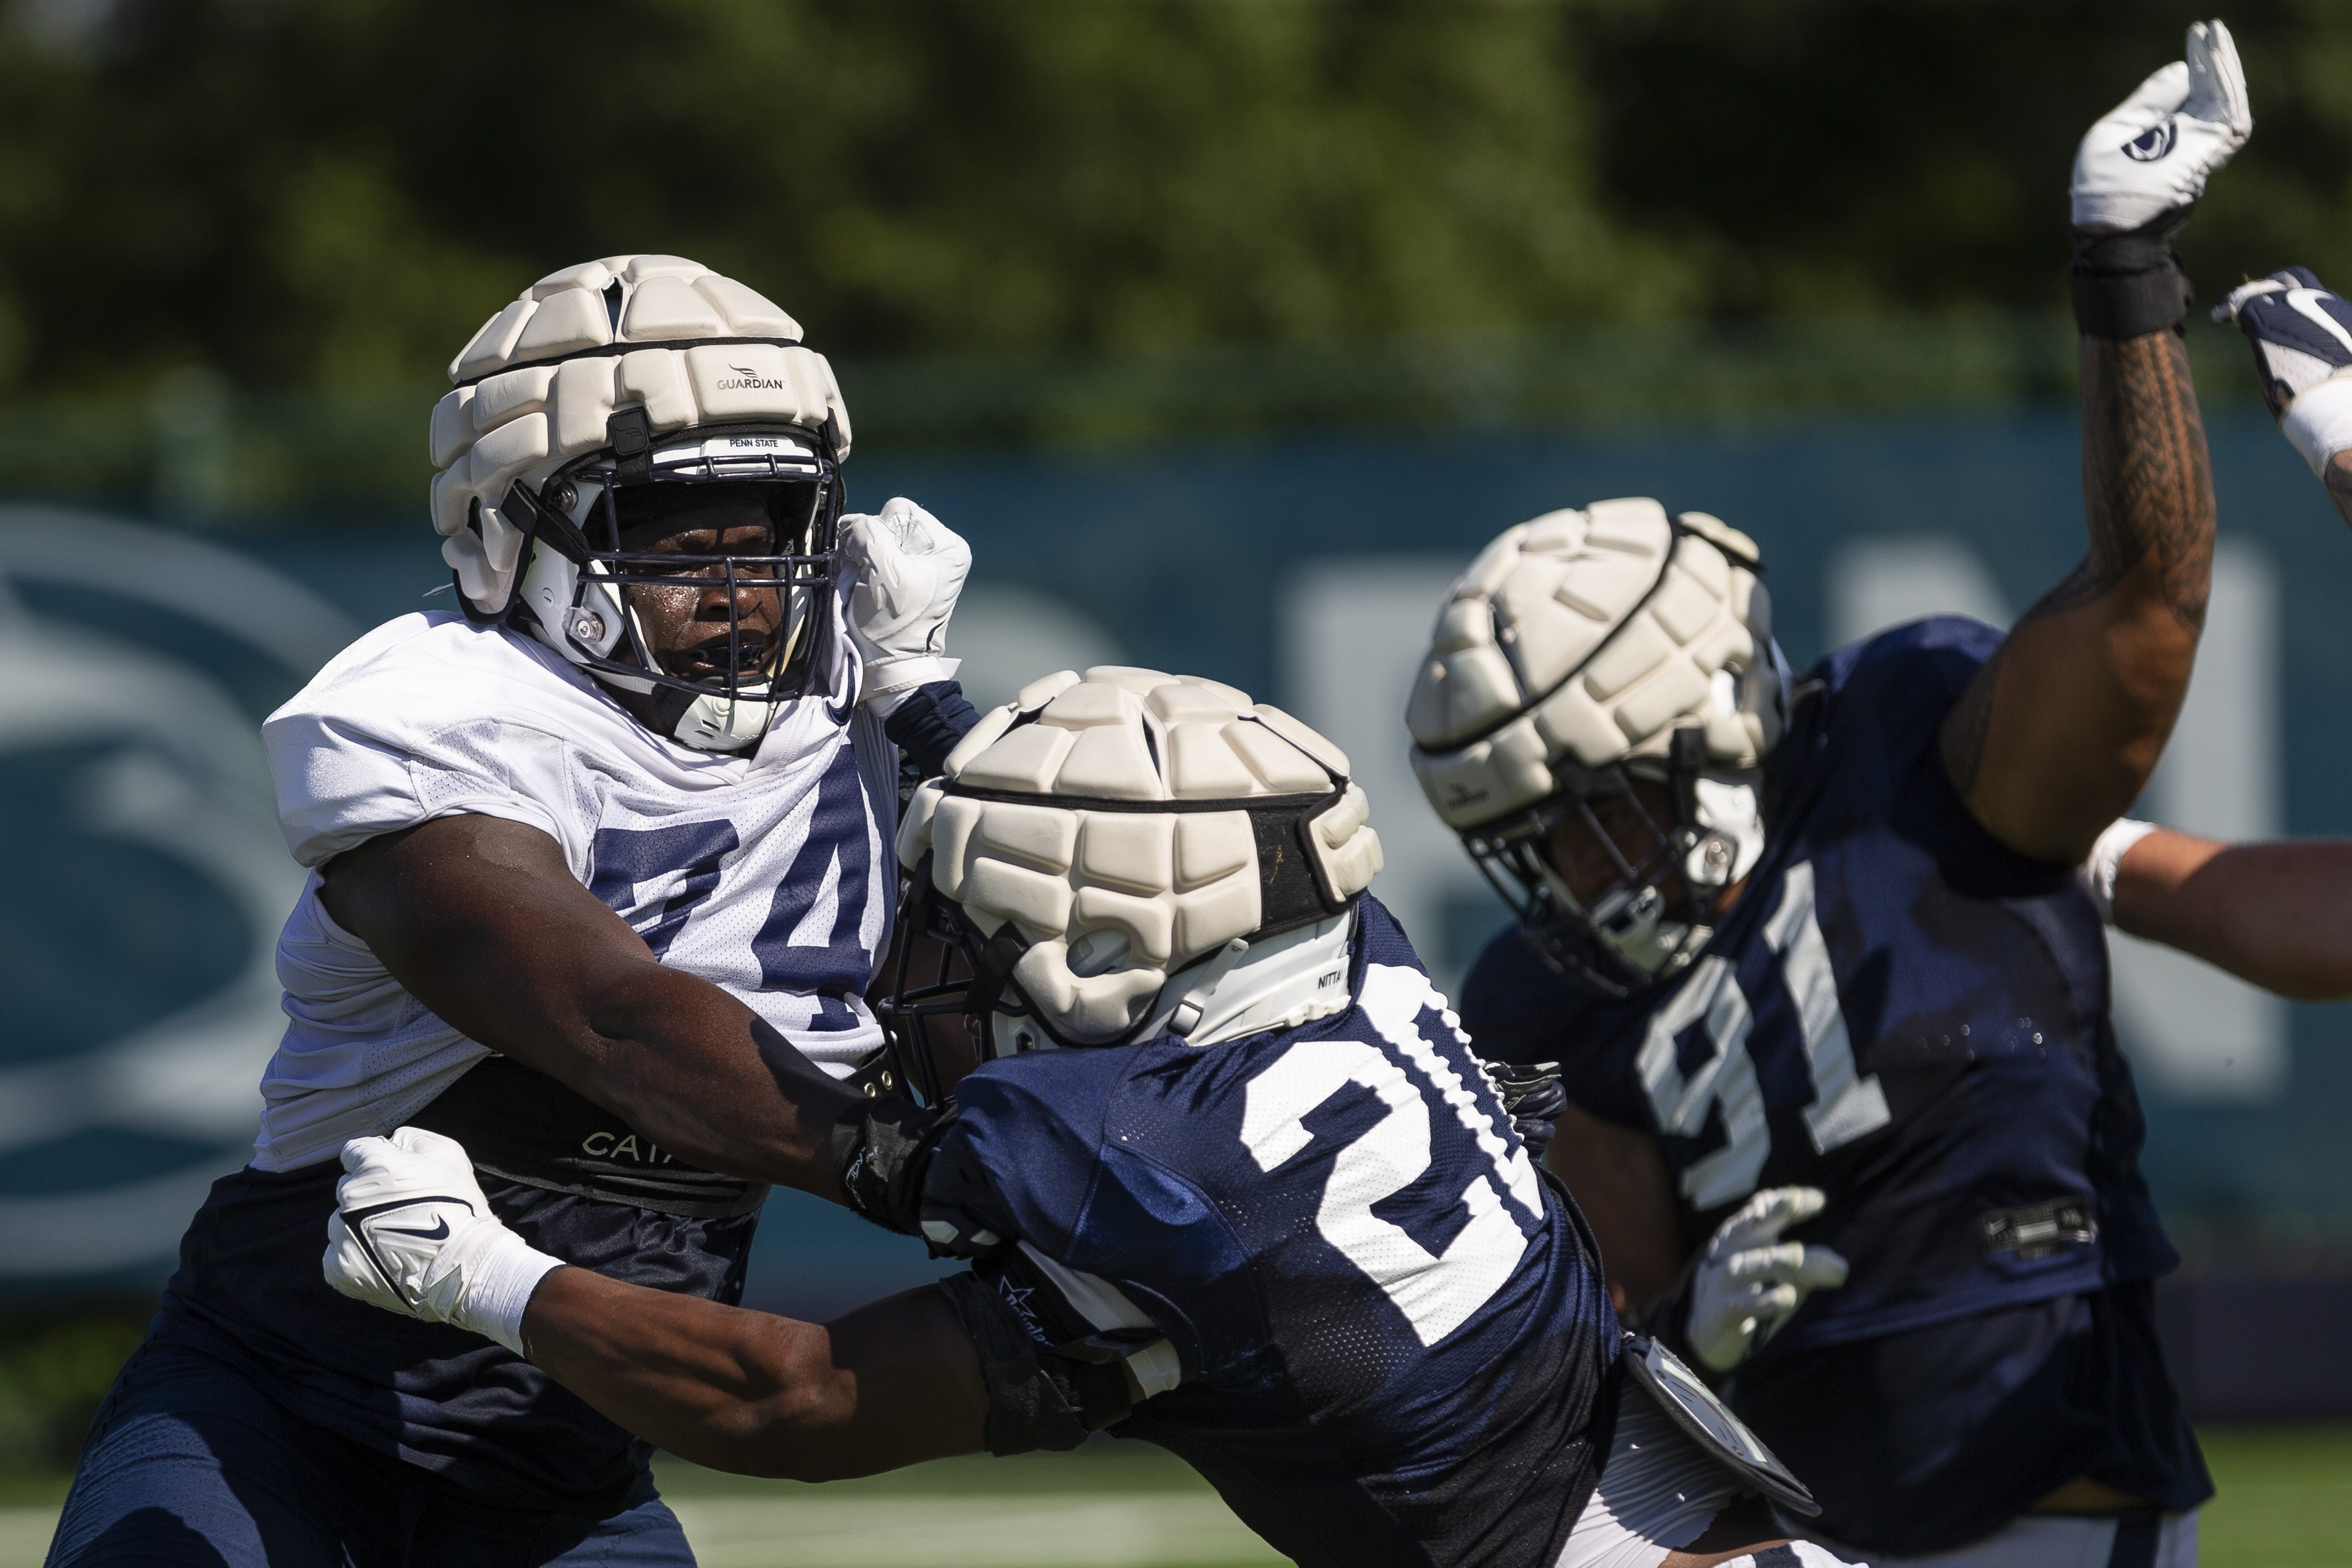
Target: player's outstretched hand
x=1750, y=1281
x=413, y=1233
x=2301, y=333
x=2153, y=151
x=907, y=568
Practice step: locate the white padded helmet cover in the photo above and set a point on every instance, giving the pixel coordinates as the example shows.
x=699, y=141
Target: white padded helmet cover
x=520, y=414
x=1114, y=901
x=1592, y=635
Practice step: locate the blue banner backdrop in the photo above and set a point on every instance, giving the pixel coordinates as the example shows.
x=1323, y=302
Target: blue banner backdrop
x=147, y=880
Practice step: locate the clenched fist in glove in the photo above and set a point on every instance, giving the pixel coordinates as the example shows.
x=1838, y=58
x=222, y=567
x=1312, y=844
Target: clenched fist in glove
x=1749, y=1281
x=2137, y=176
x=907, y=568
x=413, y=1233
x=2302, y=338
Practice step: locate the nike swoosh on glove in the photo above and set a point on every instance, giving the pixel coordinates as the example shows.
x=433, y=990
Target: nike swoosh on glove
x=2301, y=333
x=412, y=1233
x=1749, y=1283
x=2155, y=150
x=908, y=569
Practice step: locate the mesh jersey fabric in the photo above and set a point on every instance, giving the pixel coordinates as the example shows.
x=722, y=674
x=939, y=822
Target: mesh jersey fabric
x=770, y=875
x=1395, y=1346
x=249, y=1293
x=1898, y=1010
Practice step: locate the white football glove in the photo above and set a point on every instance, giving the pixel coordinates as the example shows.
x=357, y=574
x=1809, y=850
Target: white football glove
x=908, y=568
x=1750, y=1281
x=413, y=1233
x=2301, y=333
x=2152, y=151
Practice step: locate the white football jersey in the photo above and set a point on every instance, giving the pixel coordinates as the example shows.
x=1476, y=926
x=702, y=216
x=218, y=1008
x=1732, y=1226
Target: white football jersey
x=770, y=876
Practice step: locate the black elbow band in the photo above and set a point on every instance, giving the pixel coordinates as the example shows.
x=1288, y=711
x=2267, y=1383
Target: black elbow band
x=881, y=1151
x=2130, y=284
x=1036, y=1399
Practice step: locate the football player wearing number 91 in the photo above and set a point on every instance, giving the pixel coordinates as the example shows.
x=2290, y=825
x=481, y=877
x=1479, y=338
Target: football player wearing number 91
x=601, y=860
x=1270, y=1212
x=1847, y=1115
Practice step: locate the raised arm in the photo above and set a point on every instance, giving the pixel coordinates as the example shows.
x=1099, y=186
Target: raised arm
x=483, y=922
x=2278, y=915
x=2058, y=733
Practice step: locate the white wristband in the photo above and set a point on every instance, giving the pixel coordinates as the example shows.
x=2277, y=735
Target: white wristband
x=2319, y=421
x=887, y=681
x=2106, y=862
x=498, y=1286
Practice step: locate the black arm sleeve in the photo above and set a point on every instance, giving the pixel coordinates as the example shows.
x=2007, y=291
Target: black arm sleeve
x=928, y=724
x=1037, y=1399
x=2129, y=284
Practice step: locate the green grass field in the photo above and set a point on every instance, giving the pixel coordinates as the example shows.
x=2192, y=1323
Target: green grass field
x=2285, y=1502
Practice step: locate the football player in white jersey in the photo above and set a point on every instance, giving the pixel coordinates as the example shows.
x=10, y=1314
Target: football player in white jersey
x=600, y=863
x=2276, y=914
x=1272, y=1213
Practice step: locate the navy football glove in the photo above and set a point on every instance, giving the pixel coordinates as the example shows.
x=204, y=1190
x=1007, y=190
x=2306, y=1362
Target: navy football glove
x=2302, y=338
x=1533, y=1098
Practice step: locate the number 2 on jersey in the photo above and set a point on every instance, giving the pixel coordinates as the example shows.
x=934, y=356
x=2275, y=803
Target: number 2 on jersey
x=1436, y=1291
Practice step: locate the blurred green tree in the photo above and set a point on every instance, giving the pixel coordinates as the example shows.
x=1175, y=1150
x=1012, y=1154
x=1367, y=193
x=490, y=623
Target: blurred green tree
x=334, y=195
x=329, y=197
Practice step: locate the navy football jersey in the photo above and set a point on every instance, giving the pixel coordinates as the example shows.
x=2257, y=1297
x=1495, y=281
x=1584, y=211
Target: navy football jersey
x=1898, y=1010
x=1392, y=1334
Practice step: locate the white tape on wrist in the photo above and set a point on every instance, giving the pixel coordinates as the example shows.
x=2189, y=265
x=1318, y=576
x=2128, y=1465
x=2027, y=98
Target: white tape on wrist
x=2106, y=862
x=2319, y=421
x=498, y=1286
x=889, y=678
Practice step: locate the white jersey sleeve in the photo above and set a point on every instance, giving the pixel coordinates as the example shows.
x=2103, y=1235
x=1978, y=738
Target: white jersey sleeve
x=412, y=722
x=770, y=876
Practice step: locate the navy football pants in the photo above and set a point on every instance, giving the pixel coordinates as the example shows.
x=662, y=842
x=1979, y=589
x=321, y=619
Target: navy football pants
x=190, y=1466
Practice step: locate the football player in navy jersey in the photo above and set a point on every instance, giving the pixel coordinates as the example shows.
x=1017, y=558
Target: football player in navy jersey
x=1848, y=1117
x=600, y=864
x=1271, y=1212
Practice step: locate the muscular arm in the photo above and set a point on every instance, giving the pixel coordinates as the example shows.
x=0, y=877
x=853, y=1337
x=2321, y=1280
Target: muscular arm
x=484, y=923
x=2057, y=734
x=1620, y=1183
x=2337, y=478
x=891, y=1384
x=2279, y=915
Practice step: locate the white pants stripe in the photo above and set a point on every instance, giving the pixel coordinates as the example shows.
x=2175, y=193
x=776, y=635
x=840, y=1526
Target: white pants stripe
x=1657, y=1494
x=2065, y=1541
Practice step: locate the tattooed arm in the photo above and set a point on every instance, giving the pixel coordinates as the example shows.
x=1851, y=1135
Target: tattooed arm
x=2058, y=733
x=2337, y=478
